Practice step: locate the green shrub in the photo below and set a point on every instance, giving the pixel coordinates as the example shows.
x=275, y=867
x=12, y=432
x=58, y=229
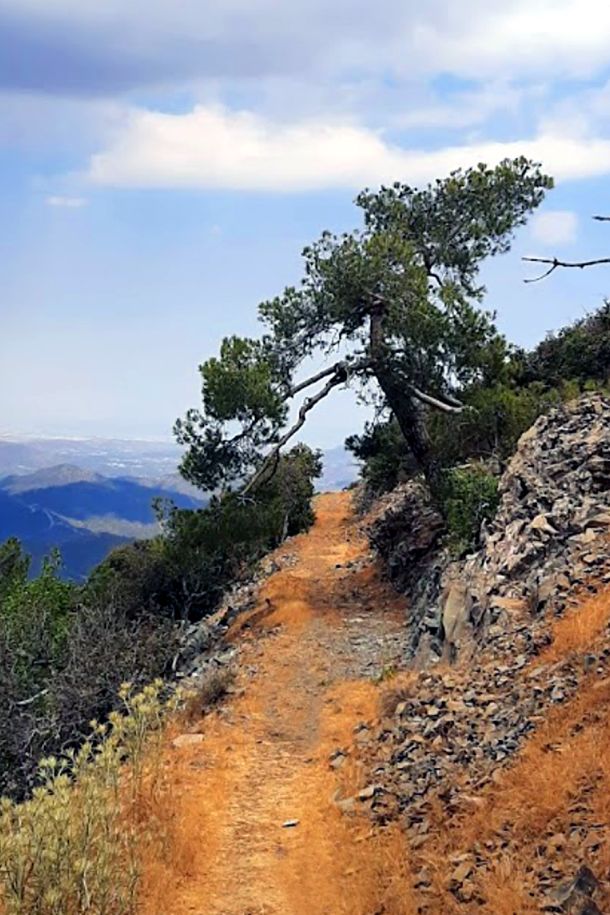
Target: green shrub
x=62, y=661
x=64, y=650
x=385, y=457
x=469, y=496
x=579, y=352
x=491, y=426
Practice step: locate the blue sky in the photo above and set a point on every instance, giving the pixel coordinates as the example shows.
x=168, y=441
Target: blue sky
x=163, y=164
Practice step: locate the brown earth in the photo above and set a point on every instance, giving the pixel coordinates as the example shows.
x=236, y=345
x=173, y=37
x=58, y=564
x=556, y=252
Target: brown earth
x=317, y=674
x=313, y=656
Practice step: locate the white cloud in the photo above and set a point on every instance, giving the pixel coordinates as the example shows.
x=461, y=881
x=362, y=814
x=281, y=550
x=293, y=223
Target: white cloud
x=520, y=37
x=212, y=147
x=71, y=203
x=555, y=227
x=224, y=38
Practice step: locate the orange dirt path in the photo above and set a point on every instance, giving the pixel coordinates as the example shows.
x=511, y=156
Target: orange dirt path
x=264, y=757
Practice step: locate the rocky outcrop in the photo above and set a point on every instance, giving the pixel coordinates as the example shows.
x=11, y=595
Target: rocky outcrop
x=407, y=534
x=547, y=538
x=449, y=737
x=440, y=750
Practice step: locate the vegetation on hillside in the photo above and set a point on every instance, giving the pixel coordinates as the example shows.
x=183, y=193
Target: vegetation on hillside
x=65, y=650
x=485, y=435
x=76, y=844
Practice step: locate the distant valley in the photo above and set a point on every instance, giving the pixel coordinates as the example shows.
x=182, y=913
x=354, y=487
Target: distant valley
x=83, y=513
x=87, y=496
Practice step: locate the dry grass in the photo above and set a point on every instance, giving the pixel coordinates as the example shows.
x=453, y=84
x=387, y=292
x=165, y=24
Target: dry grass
x=211, y=689
x=561, y=776
x=401, y=690
x=577, y=631
x=75, y=846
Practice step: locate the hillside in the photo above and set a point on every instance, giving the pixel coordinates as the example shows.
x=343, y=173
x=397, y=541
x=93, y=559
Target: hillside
x=318, y=771
x=79, y=511
x=40, y=531
x=80, y=495
x=303, y=782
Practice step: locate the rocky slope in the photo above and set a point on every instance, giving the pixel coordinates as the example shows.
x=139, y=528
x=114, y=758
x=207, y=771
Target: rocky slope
x=547, y=538
x=495, y=764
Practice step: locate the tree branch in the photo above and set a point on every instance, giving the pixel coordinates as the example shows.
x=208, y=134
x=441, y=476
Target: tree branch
x=455, y=407
x=343, y=366
x=312, y=380
x=29, y=701
x=555, y=263
x=339, y=377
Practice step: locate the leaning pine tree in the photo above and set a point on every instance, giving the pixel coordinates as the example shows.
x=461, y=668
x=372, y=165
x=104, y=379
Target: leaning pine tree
x=392, y=308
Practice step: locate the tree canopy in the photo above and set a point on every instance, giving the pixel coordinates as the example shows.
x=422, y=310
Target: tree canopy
x=392, y=308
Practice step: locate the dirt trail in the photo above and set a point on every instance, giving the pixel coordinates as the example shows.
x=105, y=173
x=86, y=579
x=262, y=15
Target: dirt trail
x=321, y=632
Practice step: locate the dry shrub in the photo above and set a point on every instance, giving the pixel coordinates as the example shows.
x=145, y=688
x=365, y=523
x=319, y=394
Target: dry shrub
x=73, y=847
x=212, y=687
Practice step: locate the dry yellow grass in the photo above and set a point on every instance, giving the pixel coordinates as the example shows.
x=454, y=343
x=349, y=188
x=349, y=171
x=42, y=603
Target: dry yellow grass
x=75, y=846
x=565, y=763
x=577, y=631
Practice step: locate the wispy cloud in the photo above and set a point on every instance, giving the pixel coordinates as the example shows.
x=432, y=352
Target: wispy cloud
x=70, y=203
x=555, y=227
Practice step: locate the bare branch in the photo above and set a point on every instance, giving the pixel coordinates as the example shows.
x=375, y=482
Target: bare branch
x=454, y=401
x=602, y=218
x=555, y=263
x=431, y=401
x=339, y=377
x=339, y=367
x=29, y=701
x=318, y=377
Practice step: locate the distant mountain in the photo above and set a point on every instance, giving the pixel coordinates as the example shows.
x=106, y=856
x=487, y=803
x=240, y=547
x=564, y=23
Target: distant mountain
x=174, y=482
x=80, y=511
x=110, y=457
x=60, y=475
x=340, y=469
x=86, y=496
x=40, y=531
x=142, y=462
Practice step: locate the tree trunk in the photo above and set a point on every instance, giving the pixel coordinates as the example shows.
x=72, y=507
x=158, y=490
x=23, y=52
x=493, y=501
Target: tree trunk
x=409, y=412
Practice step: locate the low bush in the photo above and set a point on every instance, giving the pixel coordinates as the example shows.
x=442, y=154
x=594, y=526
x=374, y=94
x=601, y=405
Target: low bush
x=384, y=456
x=64, y=650
x=62, y=662
x=212, y=688
x=469, y=495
